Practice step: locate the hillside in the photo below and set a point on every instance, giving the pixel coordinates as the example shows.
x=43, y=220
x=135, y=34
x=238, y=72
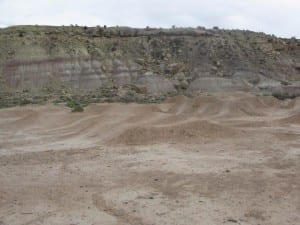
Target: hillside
x=203, y=140
x=100, y=64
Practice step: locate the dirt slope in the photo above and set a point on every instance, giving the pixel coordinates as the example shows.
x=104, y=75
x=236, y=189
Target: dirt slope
x=220, y=159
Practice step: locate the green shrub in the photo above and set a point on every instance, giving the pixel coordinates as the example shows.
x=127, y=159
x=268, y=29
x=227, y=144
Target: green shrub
x=74, y=105
x=24, y=102
x=3, y=104
x=77, y=108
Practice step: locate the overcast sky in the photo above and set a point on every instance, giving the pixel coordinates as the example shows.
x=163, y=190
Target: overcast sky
x=279, y=17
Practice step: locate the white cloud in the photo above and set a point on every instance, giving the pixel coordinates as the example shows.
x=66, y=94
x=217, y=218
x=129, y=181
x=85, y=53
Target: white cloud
x=280, y=17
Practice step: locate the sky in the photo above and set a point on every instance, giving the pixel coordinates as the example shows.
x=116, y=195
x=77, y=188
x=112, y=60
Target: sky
x=279, y=17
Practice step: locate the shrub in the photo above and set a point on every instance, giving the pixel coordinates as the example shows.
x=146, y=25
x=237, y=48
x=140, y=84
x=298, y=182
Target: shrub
x=24, y=102
x=74, y=105
x=283, y=96
x=77, y=108
x=71, y=104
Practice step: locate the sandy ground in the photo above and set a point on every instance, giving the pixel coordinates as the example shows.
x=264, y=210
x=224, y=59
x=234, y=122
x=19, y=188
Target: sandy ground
x=231, y=159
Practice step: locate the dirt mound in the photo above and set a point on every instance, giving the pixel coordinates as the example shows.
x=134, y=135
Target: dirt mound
x=176, y=120
x=293, y=119
x=236, y=105
x=195, y=131
x=220, y=159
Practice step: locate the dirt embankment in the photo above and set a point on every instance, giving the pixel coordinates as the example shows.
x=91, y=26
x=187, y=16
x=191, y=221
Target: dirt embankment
x=220, y=159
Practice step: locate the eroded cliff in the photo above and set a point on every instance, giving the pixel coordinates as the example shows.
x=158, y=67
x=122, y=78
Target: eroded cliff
x=99, y=64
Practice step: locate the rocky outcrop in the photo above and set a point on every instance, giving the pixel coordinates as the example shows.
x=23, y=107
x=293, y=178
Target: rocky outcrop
x=160, y=62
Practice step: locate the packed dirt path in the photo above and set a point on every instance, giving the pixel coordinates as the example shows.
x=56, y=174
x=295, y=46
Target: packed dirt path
x=222, y=159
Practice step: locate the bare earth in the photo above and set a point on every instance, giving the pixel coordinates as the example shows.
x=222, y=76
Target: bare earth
x=222, y=159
